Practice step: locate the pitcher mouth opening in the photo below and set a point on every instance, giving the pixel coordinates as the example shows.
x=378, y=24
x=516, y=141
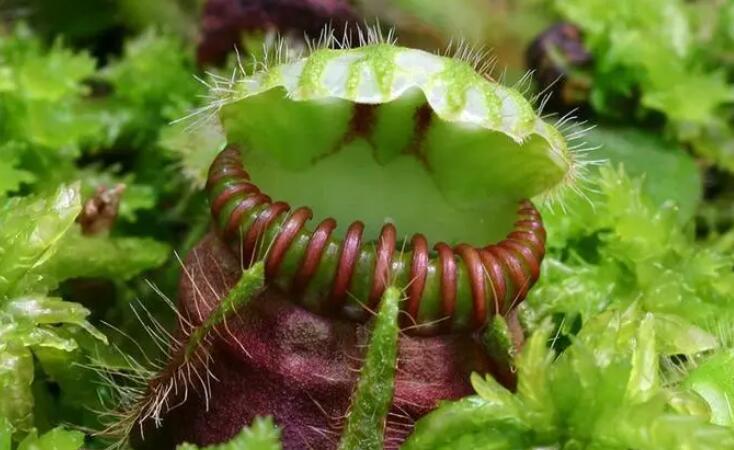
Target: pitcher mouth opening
x=448, y=287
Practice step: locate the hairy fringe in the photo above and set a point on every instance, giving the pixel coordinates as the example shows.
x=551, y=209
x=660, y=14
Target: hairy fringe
x=144, y=390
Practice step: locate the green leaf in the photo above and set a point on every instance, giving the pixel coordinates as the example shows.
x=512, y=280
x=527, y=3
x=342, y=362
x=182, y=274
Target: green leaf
x=644, y=377
x=27, y=323
x=676, y=336
x=691, y=97
x=261, y=435
x=30, y=229
x=56, y=439
x=6, y=433
x=713, y=380
x=36, y=310
x=470, y=422
x=497, y=396
x=53, y=75
x=100, y=257
x=11, y=176
x=668, y=173
x=153, y=82
x=16, y=376
x=78, y=393
x=532, y=389
x=497, y=341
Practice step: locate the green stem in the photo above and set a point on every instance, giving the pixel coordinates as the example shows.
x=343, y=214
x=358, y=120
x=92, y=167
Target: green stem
x=372, y=399
x=249, y=285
